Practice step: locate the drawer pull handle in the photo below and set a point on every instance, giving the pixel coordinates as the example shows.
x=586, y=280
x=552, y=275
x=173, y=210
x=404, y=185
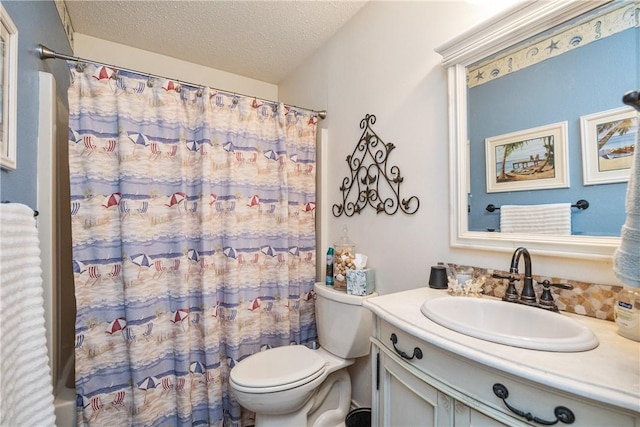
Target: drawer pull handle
x=562, y=413
x=417, y=353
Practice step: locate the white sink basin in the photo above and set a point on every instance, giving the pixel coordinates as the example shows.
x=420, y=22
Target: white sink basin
x=510, y=323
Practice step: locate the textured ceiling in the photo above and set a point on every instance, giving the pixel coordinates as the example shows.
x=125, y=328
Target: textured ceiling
x=264, y=40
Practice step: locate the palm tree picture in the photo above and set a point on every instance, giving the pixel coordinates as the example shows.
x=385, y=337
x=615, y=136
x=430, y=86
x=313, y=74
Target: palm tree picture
x=609, y=140
x=526, y=159
x=530, y=159
x=609, y=129
x=609, y=135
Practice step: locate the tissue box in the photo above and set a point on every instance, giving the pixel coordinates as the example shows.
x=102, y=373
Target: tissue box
x=361, y=282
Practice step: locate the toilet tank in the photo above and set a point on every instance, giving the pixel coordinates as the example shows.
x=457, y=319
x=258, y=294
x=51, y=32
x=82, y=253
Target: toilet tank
x=344, y=325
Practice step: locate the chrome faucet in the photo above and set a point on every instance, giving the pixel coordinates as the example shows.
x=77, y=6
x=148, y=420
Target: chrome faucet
x=528, y=295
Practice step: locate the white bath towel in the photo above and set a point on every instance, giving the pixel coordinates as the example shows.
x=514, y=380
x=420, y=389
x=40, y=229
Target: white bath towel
x=554, y=218
x=626, y=259
x=26, y=393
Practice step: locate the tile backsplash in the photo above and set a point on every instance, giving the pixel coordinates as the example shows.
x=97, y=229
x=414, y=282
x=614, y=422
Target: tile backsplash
x=587, y=299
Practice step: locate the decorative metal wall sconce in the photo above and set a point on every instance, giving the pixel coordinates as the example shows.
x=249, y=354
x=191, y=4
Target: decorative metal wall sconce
x=368, y=165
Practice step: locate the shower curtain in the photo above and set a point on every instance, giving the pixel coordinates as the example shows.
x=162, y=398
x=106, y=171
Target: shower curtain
x=193, y=222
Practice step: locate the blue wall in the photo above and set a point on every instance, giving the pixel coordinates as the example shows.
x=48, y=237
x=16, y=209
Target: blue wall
x=556, y=90
x=38, y=22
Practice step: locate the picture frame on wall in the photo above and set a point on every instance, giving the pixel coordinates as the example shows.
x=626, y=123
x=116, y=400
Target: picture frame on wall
x=8, y=88
x=531, y=159
x=609, y=139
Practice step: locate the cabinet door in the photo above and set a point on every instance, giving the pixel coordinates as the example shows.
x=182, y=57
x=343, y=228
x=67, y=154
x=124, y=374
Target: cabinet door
x=405, y=400
x=465, y=416
x=404, y=397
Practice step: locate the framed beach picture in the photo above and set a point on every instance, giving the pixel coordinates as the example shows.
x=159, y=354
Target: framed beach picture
x=609, y=139
x=8, y=83
x=531, y=159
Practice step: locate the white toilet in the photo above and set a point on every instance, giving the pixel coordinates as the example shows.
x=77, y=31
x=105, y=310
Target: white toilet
x=297, y=386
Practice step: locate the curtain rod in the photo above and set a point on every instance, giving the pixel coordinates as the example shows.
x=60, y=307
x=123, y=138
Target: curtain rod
x=46, y=53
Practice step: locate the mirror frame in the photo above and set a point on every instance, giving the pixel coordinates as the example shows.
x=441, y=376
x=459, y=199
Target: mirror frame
x=500, y=32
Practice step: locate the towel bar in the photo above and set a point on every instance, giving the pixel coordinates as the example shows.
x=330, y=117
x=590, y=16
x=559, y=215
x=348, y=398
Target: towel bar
x=580, y=204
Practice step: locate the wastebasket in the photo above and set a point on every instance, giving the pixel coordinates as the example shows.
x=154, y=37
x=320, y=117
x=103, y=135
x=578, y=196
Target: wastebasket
x=360, y=417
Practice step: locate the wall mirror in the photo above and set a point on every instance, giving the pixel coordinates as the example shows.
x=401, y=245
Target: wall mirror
x=496, y=72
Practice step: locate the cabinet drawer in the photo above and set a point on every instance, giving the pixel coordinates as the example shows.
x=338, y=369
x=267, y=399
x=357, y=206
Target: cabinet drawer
x=473, y=384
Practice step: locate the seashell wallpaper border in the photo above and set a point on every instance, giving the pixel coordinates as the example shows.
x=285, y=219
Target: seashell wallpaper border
x=596, y=27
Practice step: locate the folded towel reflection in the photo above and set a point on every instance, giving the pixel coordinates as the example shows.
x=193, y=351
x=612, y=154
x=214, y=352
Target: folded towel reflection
x=26, y=393
x=553, y=218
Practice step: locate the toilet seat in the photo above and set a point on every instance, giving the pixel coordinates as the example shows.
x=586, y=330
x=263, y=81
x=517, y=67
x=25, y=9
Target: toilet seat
x=277, y=369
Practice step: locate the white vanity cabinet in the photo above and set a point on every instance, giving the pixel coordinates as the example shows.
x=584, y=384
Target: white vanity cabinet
x=452, y=381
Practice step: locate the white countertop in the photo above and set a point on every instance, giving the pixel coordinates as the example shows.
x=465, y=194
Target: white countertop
x=610, y=373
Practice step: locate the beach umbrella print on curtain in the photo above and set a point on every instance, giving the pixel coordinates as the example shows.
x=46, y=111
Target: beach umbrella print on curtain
x=78, y=267
x=142, y=261
x=228, y=147
x=215, y=309
x=74, y=136
x=268, y=250
x=192, y=146
x=196, y=368
x=310, y=206
x=116, y=325
x=104, y=73
x=146, y=384
x=170, y=85
x=112, y=199
x=138, y=139
x=193, y=256
x=254, y=201
x=176, y=199
x=271, y=155
x=255, y=304
x=230, y=252
x=179, y=315
x=82, y=401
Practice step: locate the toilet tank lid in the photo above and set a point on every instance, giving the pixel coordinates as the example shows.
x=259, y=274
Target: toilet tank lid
x=340, y=295
x=277, y=366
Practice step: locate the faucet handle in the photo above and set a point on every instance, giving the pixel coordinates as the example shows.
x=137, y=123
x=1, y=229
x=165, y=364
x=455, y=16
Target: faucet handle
x=546, y=299
x=511, y=294
x=546, y=284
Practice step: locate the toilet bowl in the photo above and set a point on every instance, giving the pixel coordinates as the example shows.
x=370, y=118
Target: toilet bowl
x=297, y=386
